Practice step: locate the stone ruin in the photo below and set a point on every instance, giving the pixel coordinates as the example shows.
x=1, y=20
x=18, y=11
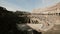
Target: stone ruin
x=46, y=20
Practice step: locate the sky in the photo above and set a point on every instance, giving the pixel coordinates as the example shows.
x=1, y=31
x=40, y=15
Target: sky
x=26, y=5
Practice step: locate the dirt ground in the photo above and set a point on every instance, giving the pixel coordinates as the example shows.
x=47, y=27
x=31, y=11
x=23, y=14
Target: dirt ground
x=55, y=30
